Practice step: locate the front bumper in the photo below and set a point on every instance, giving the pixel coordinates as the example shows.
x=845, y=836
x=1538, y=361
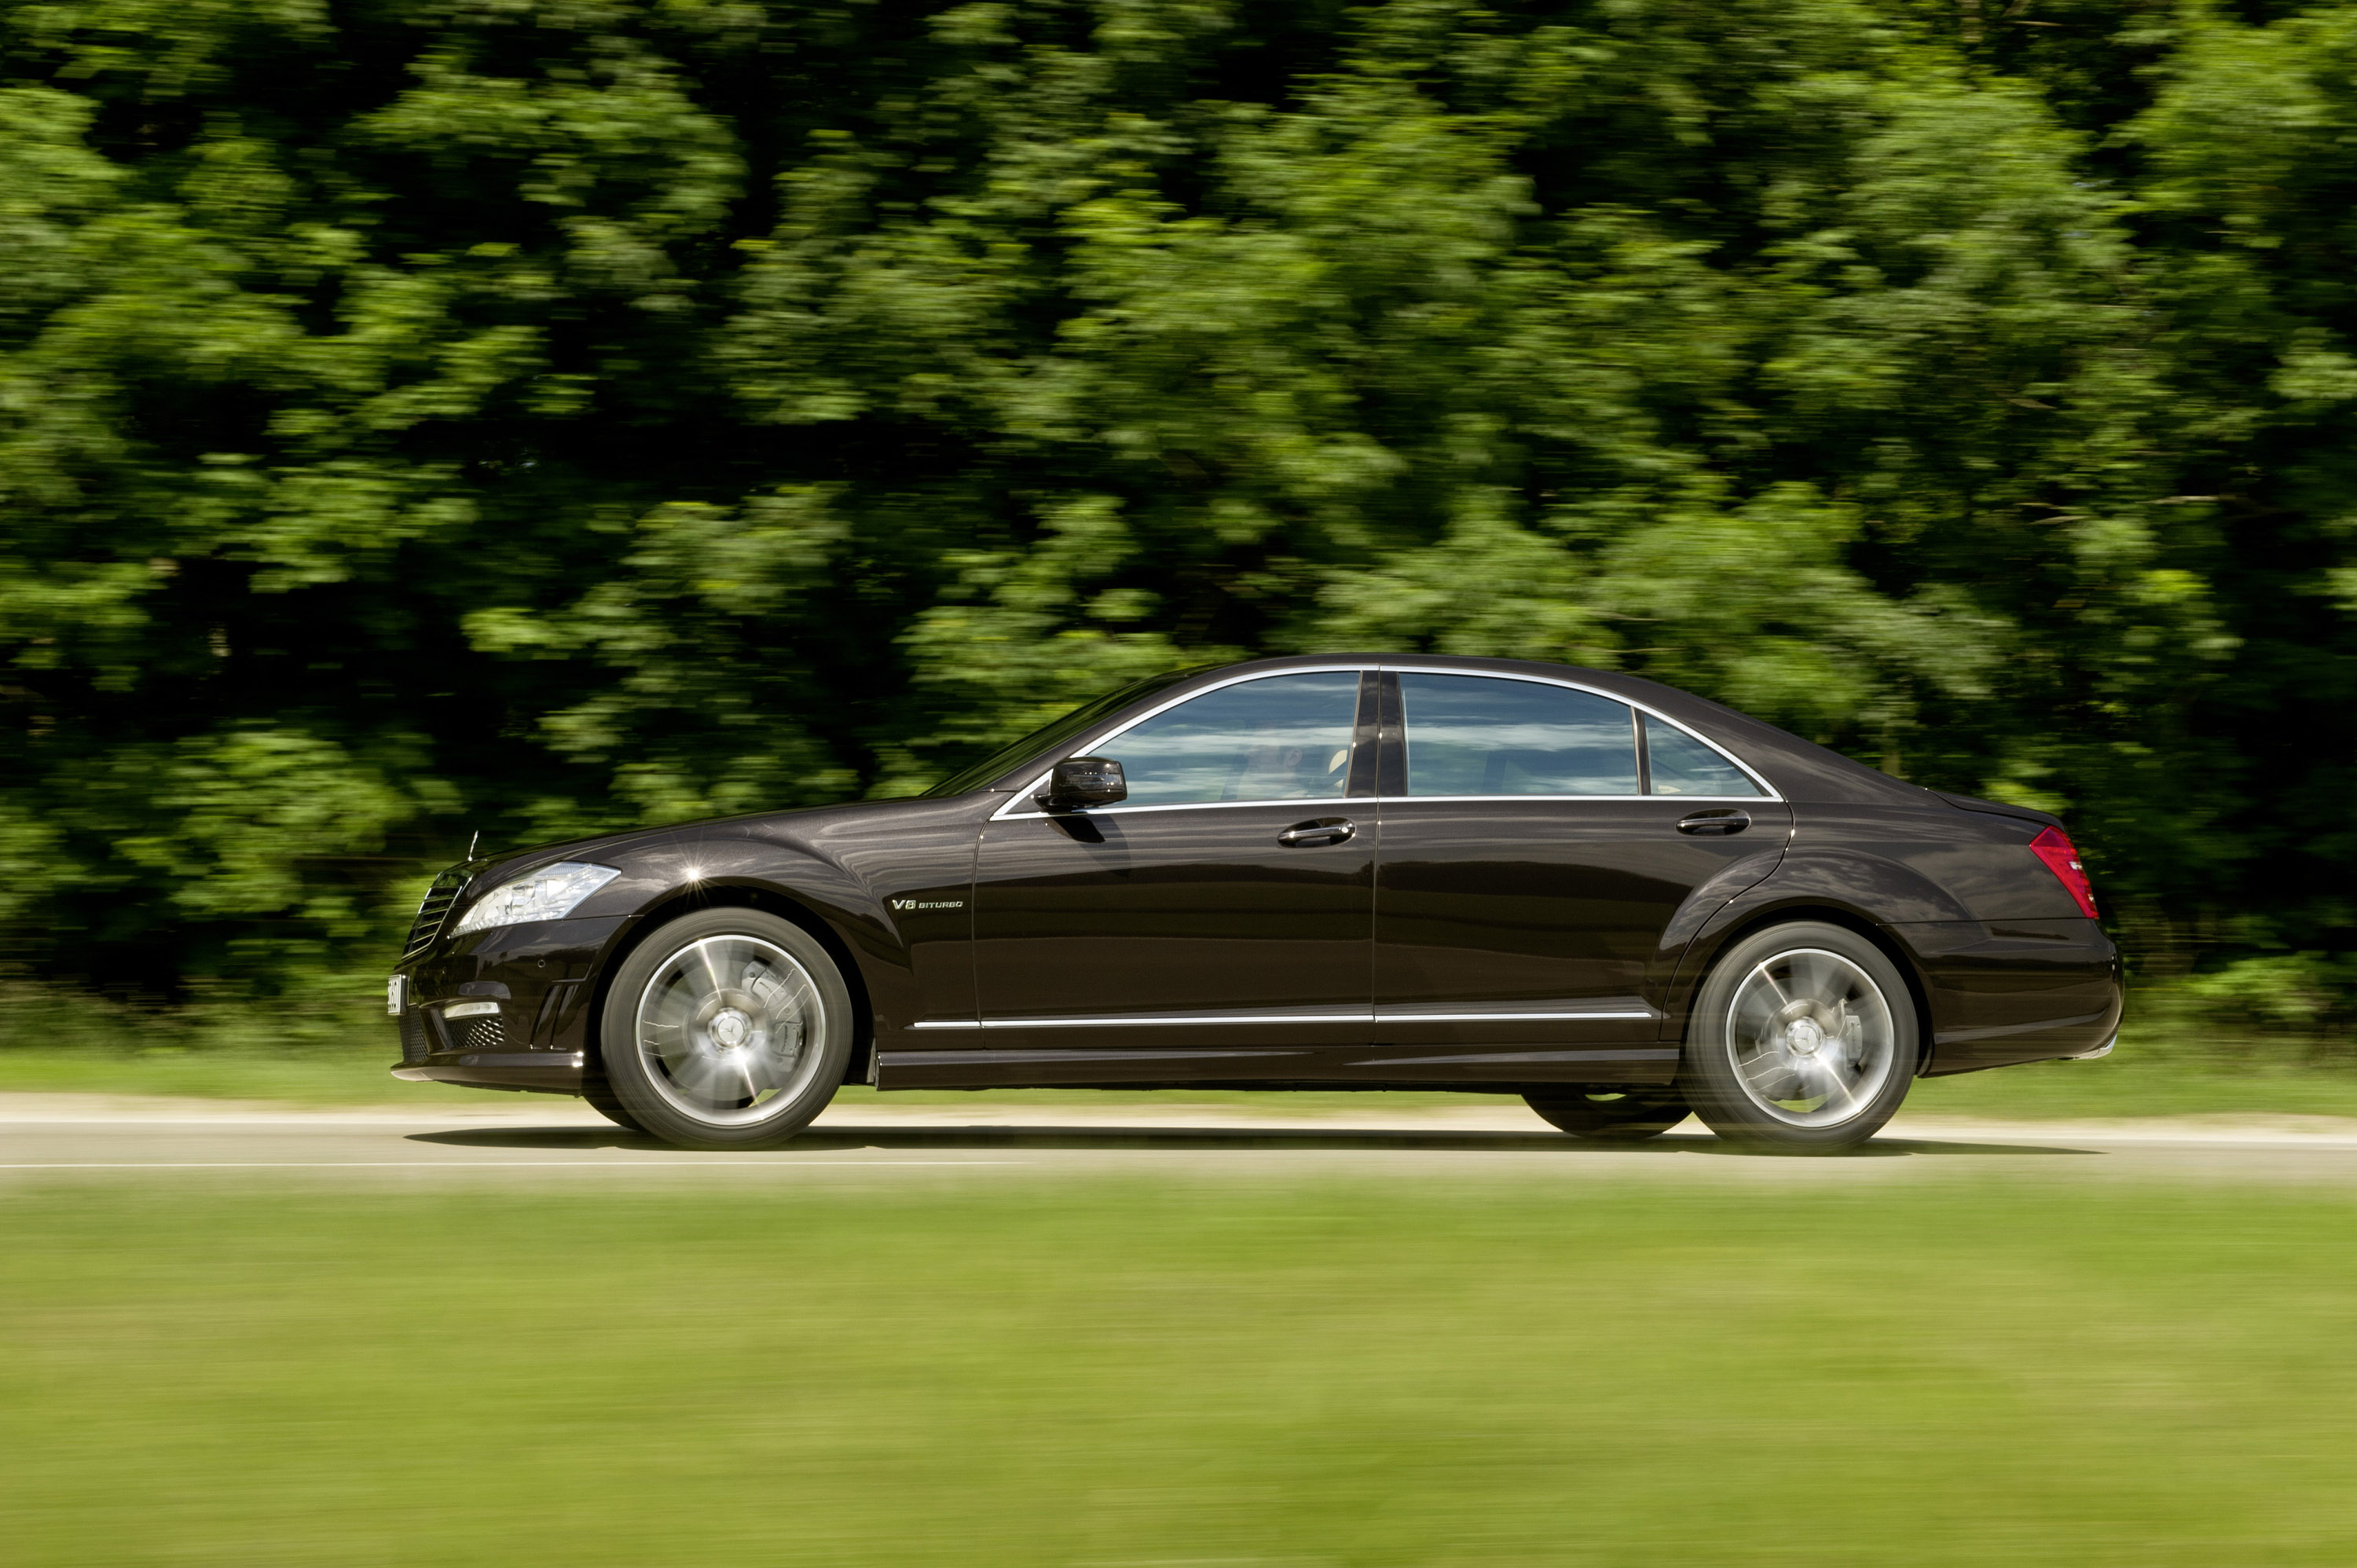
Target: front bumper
x=535, y=1072
x=523, y=995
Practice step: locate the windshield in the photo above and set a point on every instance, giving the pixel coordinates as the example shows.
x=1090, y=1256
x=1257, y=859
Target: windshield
x=1054, y=734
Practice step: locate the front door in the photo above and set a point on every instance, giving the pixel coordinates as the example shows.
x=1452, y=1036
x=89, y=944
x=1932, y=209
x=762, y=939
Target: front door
x=1536, y=841
x=1217, y=923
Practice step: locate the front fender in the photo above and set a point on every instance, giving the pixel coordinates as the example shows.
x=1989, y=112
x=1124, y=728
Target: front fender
x=662, y=883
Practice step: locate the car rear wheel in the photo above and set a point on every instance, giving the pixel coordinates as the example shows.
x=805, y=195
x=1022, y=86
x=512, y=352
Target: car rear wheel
x=1804, y=1041
x=725, y=1029
x=1611, y=1115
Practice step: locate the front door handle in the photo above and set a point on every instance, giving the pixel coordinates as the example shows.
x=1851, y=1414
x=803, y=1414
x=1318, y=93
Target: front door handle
x=1325, y=830
x=1714, y=824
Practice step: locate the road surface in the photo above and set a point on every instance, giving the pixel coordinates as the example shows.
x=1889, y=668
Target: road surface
x=47, y=1139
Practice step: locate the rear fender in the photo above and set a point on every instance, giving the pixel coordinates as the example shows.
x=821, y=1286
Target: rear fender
x=1700, y=913
x=1867, y=892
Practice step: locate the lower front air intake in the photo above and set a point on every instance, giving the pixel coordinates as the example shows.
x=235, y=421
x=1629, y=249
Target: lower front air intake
x=415, y=1041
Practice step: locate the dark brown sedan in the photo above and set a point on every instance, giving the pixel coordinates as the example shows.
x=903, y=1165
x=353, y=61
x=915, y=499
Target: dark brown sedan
x=1616, y=900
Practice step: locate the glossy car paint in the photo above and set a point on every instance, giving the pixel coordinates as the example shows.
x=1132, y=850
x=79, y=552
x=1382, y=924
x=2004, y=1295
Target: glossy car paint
x=990, y=942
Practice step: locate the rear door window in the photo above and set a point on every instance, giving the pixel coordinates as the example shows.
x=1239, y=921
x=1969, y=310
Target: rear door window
x=1474, y=734
x=1678, y=764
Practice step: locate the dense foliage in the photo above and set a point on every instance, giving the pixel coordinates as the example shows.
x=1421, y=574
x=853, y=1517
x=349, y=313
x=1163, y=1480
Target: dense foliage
x=533, y=417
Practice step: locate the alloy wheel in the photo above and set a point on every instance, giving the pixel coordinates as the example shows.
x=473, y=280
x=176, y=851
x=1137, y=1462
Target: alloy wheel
x=728, y=1029
x=1810, y=1037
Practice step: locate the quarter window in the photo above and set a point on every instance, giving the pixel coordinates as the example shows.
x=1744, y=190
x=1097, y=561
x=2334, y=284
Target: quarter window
x=1678, y=764
x=1282, y=737
x=1471, y=734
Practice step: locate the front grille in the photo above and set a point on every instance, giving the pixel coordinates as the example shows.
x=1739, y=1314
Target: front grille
x=433, y=911
x=484, y=1035
x=415, y=1043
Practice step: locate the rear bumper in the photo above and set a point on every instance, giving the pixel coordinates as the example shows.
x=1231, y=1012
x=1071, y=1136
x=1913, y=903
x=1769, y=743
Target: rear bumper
x=533, y=1072
x=2099, y=1052
x=2015, y=991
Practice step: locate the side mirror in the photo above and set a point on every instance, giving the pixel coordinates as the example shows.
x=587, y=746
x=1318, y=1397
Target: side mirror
x=1084, y=782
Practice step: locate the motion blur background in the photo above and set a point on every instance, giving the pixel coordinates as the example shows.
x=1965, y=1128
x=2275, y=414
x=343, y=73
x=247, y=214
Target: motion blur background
x=420, y=418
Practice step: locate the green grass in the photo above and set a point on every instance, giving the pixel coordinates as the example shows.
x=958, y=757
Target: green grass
x=354, y=1077
x=998, y=1371
x=2128, y=1083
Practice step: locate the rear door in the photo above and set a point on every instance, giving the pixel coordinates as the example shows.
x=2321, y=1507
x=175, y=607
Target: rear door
x=1537, y=838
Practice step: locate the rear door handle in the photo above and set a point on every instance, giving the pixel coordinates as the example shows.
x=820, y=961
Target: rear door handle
x=1325, y=831
x=1714, y=824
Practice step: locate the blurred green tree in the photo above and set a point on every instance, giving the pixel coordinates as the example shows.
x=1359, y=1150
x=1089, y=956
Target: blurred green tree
x=543, y=415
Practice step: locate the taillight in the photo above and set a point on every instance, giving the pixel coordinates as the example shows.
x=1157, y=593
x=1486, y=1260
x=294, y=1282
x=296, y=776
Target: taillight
x=2053, y=847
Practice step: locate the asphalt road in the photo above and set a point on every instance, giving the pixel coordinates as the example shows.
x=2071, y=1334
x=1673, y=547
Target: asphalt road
x=48, y=1139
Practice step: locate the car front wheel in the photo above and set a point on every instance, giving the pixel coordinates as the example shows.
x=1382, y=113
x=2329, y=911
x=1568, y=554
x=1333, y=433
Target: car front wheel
x=1804, y=1040
x=725, y=1029
x=601, y=1100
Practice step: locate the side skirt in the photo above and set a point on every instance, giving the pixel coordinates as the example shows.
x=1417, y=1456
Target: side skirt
x=1276, y=1067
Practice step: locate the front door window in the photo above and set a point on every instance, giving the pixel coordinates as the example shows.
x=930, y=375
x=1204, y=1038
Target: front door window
x=1286, y=737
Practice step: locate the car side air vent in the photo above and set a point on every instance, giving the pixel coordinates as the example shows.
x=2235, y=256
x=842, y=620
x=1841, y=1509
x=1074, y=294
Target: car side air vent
x=432, y=912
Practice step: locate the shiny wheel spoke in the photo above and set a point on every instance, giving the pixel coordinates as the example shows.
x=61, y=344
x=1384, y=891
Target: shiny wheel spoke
x=1810, y=1037
x=725, y=1028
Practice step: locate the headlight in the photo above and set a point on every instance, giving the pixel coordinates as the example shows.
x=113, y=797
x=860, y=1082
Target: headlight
x=548, y=894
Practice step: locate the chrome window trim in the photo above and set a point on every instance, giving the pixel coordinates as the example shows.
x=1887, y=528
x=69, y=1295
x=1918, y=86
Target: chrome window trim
x=1023, y=796
x=1005, y=815
x=1421, y=800
x=1768, y=790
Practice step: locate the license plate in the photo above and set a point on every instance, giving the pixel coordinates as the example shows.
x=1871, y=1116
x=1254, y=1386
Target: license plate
x=396, y=994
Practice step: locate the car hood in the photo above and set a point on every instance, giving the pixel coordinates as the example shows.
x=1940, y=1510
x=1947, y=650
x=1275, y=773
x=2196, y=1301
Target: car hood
x=511, y=863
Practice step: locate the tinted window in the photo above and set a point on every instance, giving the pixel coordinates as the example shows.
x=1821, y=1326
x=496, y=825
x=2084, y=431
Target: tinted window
x=1052, y=734
x=1681, y=765
x=1283, y=737
x=1468, y=735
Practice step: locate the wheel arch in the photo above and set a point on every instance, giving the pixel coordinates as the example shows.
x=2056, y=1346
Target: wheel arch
x=768, y=900
x=1910, y=968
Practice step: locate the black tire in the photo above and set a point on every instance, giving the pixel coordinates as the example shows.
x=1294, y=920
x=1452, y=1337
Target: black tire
x=601, y=1100
x=1611, y=1115
x=718, y=1001
x=1769, y=1053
